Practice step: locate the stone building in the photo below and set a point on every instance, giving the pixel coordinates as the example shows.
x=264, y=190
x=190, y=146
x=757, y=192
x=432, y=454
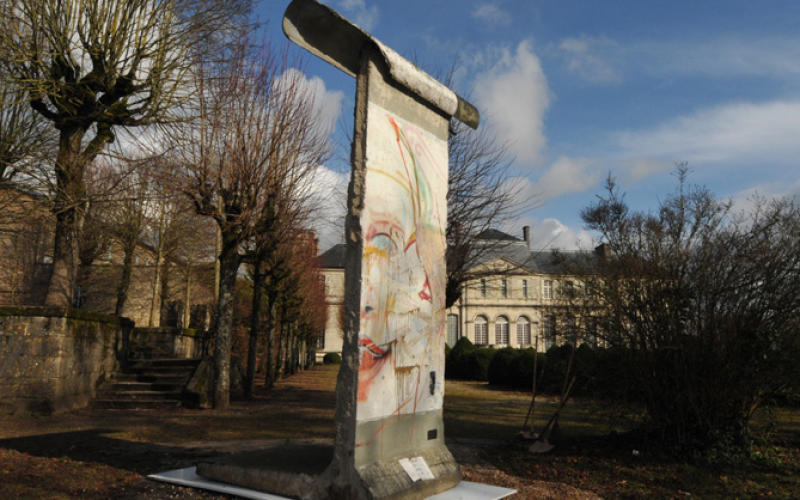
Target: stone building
x=515, y=296
x=26, y=246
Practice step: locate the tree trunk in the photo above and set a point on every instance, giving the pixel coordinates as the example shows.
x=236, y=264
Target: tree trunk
x=270, y=369
x=217, y=252
x=69, y=210
x=128, y=249
x=279, y=354
x=258, y=282
x=187, y=304
x=155, y=312
x=229, y=265
x=295, y=353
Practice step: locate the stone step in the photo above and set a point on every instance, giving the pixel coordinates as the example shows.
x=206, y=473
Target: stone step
x=173, y=371
x=123, y=404
x=152, y=379
x=164, y=362
x=137, y=385
x=147, y=383
x=141, y=395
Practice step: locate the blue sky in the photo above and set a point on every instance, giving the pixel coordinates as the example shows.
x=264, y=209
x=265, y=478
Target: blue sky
x=583, y=88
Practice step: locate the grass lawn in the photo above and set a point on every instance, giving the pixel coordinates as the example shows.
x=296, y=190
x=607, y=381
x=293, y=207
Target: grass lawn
x=107, y=453
x=593, y=454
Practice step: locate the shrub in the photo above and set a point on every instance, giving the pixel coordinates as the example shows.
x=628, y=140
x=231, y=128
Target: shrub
x=499, y=371
x=456, y=361
x=332, y=358
x=478, y=363
x=522, y=368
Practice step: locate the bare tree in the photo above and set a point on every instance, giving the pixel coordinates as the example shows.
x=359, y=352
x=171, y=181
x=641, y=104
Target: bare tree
x=479, y=197
x=255, y=135
x=91, y=66
x=703, y=304
x=24, y=136
x=126, y=221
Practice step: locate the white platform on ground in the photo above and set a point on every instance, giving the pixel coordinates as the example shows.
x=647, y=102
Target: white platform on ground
x=464, y=490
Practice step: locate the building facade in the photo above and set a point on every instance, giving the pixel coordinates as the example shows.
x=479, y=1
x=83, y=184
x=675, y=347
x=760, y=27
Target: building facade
x=515, y=297
x=156, y=296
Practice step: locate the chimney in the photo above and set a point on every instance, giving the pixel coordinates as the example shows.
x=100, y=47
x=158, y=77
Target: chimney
x=526, y=235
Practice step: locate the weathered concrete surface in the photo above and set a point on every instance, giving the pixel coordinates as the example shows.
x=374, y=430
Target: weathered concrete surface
x=54, y=359
x=288, y=469
x=389, y=432
x=398, y=316
x=388, y=479
x=326, y=34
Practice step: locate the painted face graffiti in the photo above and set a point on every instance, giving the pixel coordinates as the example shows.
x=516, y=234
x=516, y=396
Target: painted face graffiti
x=402, y=293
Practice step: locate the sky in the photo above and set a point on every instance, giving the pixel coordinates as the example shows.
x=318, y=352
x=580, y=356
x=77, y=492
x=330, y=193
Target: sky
x=580, y=90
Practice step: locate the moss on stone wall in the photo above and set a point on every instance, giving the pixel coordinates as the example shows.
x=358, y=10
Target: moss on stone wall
x=64, y=312
x=53, y=359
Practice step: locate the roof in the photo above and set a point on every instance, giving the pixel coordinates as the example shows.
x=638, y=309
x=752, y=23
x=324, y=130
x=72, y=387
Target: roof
x=494, y=234
x=333, y=258
x=503, y=247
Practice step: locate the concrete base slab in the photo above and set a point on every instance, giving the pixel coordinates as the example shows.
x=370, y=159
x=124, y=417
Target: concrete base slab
x=188, y=477
x=465, y=490
x=291, y=469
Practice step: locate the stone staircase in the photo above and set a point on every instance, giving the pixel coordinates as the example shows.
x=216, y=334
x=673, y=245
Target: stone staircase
x=147, y=384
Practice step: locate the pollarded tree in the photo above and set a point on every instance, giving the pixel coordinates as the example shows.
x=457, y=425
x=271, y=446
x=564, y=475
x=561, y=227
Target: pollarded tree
x=24, y=135
x=256, y=136
x=90, y=66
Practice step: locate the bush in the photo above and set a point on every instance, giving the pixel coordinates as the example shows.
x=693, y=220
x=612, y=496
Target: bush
x=468, y=362
x=332, y=358
x=522, y=368
x=456, y=360
x=478, y=363
x=499, y=372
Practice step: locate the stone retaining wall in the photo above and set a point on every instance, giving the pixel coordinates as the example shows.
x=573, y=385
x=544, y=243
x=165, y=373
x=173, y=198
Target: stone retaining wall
x=165, y=343
x=53, y=359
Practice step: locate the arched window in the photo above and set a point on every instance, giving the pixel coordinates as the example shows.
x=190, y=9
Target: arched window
x=452, y=329
x=523, y=331
x=571, y=330
x=501, y=331
x=549, y=331
x=481, y=331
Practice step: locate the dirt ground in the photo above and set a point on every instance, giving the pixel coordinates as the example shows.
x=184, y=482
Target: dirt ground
x=99, y=454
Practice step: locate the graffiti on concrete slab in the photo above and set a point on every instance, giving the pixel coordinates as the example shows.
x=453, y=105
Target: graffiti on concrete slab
x=403, y=274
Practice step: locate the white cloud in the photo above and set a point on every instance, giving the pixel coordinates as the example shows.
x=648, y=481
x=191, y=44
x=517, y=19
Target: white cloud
x=731, y=134
x=365, y=17
x=491, y=14
x=741, y=56
x=329, y=194
x=565, y=175
x=744, y=201
x=568, y=175
x=513, y=96
x=327, y=103
x=591, y=58
x=603, y=60
x=551, y=233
